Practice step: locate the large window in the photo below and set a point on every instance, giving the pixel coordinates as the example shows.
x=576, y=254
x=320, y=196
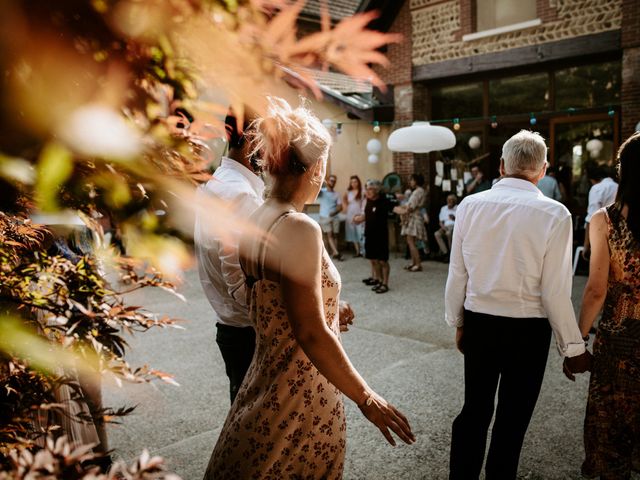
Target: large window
x=588, y=86
x=501, y=13
x=519, y=94
x=465, y=100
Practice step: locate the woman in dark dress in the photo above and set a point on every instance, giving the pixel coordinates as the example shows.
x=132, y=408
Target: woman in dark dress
x=612, y=422
x=376, y=236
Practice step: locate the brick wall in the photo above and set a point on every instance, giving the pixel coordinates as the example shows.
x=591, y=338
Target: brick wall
x=399, y=72
x=630, y=91
x=547, y=10
x=468, y=18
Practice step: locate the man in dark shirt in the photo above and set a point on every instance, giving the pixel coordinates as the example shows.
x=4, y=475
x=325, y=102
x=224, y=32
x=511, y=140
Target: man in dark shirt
x=376, y=236
x=477, y=183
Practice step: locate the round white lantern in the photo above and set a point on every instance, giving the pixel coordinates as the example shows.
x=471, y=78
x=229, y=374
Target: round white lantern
x=474, y=142
x=421, y=137
x=594, y=147
x=374, y=146
x=373, y=158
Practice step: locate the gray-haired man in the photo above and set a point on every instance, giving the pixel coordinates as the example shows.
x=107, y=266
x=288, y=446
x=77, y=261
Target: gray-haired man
x=509, y=286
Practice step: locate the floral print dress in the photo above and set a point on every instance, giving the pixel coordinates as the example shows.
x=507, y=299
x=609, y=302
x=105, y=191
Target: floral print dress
x=413, y=222
x=287, y=421
x=612, y=422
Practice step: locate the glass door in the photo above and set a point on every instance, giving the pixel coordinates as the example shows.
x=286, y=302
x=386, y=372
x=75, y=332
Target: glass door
x=577, y=142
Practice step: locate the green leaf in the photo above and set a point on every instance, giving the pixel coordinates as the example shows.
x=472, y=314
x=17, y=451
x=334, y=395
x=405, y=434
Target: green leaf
x=55, y=166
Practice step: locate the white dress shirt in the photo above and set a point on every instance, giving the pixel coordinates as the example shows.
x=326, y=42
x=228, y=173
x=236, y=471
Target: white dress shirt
x=511, y=257
x=602, y=194
x=219, y=269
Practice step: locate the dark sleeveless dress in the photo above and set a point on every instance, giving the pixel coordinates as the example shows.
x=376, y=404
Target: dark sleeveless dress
x=612, y=422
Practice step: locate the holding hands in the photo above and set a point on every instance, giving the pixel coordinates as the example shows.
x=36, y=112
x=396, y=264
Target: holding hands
x=578, y=364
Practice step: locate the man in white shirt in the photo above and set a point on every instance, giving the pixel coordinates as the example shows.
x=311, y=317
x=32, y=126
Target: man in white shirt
x=509, y=286
x=236, y=183
x=447, y=220
x=602, y=193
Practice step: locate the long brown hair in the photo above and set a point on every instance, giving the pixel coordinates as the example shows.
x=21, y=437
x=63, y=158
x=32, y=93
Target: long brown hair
x=359, y=188
x=628, y=174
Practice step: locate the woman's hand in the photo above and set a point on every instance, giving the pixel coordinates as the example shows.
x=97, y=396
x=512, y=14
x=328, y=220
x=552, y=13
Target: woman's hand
x=345, y=316
x=385, y=416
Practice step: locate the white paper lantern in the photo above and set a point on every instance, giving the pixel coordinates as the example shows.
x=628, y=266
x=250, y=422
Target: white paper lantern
x=373, y=158
x=474, y=142
x=594, y=147
x=421, y=137
x=374, y=146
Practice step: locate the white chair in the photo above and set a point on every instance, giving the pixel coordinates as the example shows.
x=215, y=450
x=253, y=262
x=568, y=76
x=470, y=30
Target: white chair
x=576, y=258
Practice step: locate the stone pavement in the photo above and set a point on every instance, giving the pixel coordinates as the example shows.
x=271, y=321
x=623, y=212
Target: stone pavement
x=399, y=343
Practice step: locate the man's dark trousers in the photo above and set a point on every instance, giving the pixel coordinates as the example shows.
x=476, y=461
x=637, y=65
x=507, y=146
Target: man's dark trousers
x=237, y=345
x=514, y=352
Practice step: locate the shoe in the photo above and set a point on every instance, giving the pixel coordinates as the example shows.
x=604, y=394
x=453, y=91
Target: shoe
x=370, y=281
x=415, y=268
x=357, y=255
x=376, y=286
x=338, y=257
x=408, y=266
x=382, y=288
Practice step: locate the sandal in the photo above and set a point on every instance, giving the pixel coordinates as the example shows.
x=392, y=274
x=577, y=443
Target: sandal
x=370, y=281
x=382, y=288
x=408, y=266
x=415, y=268
x=376, y=286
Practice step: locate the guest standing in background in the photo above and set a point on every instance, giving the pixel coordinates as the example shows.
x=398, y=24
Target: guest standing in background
x=413, y=221
x=602, y=193
x=330, y=207
x=354, y=200
x=612, y=422
x=548, y=185
x=376, y=236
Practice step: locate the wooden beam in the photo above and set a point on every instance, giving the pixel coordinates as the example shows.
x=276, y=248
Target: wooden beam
x=584, y=45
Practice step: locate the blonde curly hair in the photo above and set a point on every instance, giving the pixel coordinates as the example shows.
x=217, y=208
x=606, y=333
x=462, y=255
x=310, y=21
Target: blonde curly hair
x=289, y=141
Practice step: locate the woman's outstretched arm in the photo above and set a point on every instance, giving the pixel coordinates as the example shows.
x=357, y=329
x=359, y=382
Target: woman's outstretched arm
x=300, y=259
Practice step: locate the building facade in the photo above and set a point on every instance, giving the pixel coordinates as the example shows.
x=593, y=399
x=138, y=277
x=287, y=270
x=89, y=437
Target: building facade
x=488, y=68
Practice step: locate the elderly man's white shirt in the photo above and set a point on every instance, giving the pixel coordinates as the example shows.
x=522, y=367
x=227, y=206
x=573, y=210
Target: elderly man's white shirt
x=219, y=269
x=602, y=194
x=511, y=257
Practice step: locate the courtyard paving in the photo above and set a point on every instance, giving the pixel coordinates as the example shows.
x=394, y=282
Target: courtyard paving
x=401, y=346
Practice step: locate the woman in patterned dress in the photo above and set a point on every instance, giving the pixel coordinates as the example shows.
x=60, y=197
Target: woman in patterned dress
x=413, y=220
x=612, y=422
x=288, y=419
x=354, y=200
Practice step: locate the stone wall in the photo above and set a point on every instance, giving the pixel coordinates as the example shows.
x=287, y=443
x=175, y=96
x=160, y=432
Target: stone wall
x=438, y=26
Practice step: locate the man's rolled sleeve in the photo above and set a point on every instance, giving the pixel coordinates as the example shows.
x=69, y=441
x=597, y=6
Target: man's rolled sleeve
x=556, y=285
x=456, y=288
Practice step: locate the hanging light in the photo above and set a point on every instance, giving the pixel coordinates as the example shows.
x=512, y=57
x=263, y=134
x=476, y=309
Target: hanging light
x=373, y=158
x=532, y=119
x=494, y=121
x=611, y=112
x=338, y=128
x=456, y=124
x=328, y=123
x=376, y=127
x=474, y=142
x=421, y=137
x=374, y=146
